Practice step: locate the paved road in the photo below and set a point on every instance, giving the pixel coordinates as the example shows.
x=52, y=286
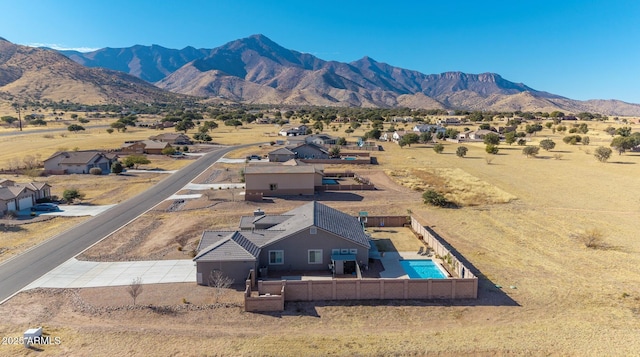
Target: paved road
x=20, y=271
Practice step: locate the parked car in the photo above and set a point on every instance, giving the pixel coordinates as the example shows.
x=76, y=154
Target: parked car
x=45, y=207
x=254, y=157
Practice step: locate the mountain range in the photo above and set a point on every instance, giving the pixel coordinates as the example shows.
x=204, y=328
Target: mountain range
x=257, y=70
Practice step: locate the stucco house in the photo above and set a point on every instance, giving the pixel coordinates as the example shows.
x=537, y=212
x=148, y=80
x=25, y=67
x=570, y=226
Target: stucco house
x=289, y=178
x=281, y=155
x=293, y=131
x=397, y=135
x=309, y=151
x=423, y=128
x=310, y=237
x=19, y=196
x=152, y=147
x=172, y=138
x=320, y=139
x=78, y=162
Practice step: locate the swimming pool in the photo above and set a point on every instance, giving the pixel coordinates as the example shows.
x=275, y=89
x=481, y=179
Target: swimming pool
x=422, y=269
x=329, y=181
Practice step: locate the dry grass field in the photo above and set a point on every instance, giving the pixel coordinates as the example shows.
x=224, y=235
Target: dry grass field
x=542, y=291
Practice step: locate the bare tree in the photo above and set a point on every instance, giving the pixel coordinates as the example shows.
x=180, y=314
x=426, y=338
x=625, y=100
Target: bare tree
x=135, y=288
x=219, y=282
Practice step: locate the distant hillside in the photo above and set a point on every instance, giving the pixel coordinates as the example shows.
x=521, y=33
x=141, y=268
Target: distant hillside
x=258, y=70
x=34, y=73
x=151, y=63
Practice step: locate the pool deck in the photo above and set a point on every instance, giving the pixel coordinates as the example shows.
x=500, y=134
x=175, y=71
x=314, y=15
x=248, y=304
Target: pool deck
x=392, y=267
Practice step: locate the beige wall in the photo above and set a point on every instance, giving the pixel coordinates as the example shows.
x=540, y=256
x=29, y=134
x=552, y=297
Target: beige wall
x=288, y=183
x=372, y=289
x=441, y=249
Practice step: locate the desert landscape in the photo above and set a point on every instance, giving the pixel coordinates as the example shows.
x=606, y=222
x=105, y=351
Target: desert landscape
x=520, y=221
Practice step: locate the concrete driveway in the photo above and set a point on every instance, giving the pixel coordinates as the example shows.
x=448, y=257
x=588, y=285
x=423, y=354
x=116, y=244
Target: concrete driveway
x=73, y=211
x=82, y=274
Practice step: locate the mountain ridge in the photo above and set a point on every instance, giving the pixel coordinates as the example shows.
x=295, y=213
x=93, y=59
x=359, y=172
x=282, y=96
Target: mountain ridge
x=258, y=70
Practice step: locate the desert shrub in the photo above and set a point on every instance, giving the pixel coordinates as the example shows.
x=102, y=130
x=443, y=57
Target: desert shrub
x=95, y=171
x=169, y=150
x=591, y=238
x=530, y=151
x=491, y=149
x=72, y=194
x=547, y=144
x=116, y=167
x=461, y=151
x=585, y=140
x=572, y=139
x=522, y=142
x=439, y=148
x=435, y=198
x=602, y=153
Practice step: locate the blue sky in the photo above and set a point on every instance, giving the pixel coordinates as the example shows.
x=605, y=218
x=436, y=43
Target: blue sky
x=579, y=49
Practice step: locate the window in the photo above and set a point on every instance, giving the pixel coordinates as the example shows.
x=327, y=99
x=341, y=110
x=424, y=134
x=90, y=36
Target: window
x=353, y=251
x=344, y=251
x=335, y=251
x=276, y=257
x=273, y=186
x=315, y=256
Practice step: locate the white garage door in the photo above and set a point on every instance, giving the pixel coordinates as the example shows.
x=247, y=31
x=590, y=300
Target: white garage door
x=11, y=206
x=25, y=203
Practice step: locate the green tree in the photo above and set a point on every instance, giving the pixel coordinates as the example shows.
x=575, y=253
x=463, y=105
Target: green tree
x=135, y=160
x=116, y=168
x=492, y=149
x=184, y=125
x=547, y=144
x=451, y=133
x=438, y=148
x=623, y=143
x=510, y=137
x=75, y=128
x=118, y=126
x=9, y=119
x=602, y=153
x=410, y=138
x=426, y=137
x=530, y=151
x=71, y=195
x=572, y=139
x=169, y=150
x=202, y=137
x=624, y=131
x=492, y=139
x=334, y=152
x=461, y=151
x=341, y=141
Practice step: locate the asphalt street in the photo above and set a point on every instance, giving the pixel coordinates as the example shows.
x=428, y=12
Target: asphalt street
x=23, y=269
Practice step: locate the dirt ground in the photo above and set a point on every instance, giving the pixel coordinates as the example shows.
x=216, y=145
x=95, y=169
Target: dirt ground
x=542, y=291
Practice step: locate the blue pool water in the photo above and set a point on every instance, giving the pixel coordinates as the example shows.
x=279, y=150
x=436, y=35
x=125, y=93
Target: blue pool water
x=349, y=158
x=329, y=181
x=422, y=269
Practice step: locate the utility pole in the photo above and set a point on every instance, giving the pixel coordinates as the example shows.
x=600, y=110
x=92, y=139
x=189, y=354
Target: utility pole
x=17, y=106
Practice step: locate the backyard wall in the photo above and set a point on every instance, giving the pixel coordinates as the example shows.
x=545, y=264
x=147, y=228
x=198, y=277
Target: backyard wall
x=371, y=289
x=442, y=249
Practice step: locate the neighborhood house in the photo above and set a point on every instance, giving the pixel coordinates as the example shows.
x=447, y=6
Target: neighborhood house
x=289, y=178
x=78, y=162
x=17, y=197
x=311, y=237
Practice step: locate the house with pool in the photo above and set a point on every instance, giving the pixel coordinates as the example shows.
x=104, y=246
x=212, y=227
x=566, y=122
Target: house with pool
x=316, y=252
